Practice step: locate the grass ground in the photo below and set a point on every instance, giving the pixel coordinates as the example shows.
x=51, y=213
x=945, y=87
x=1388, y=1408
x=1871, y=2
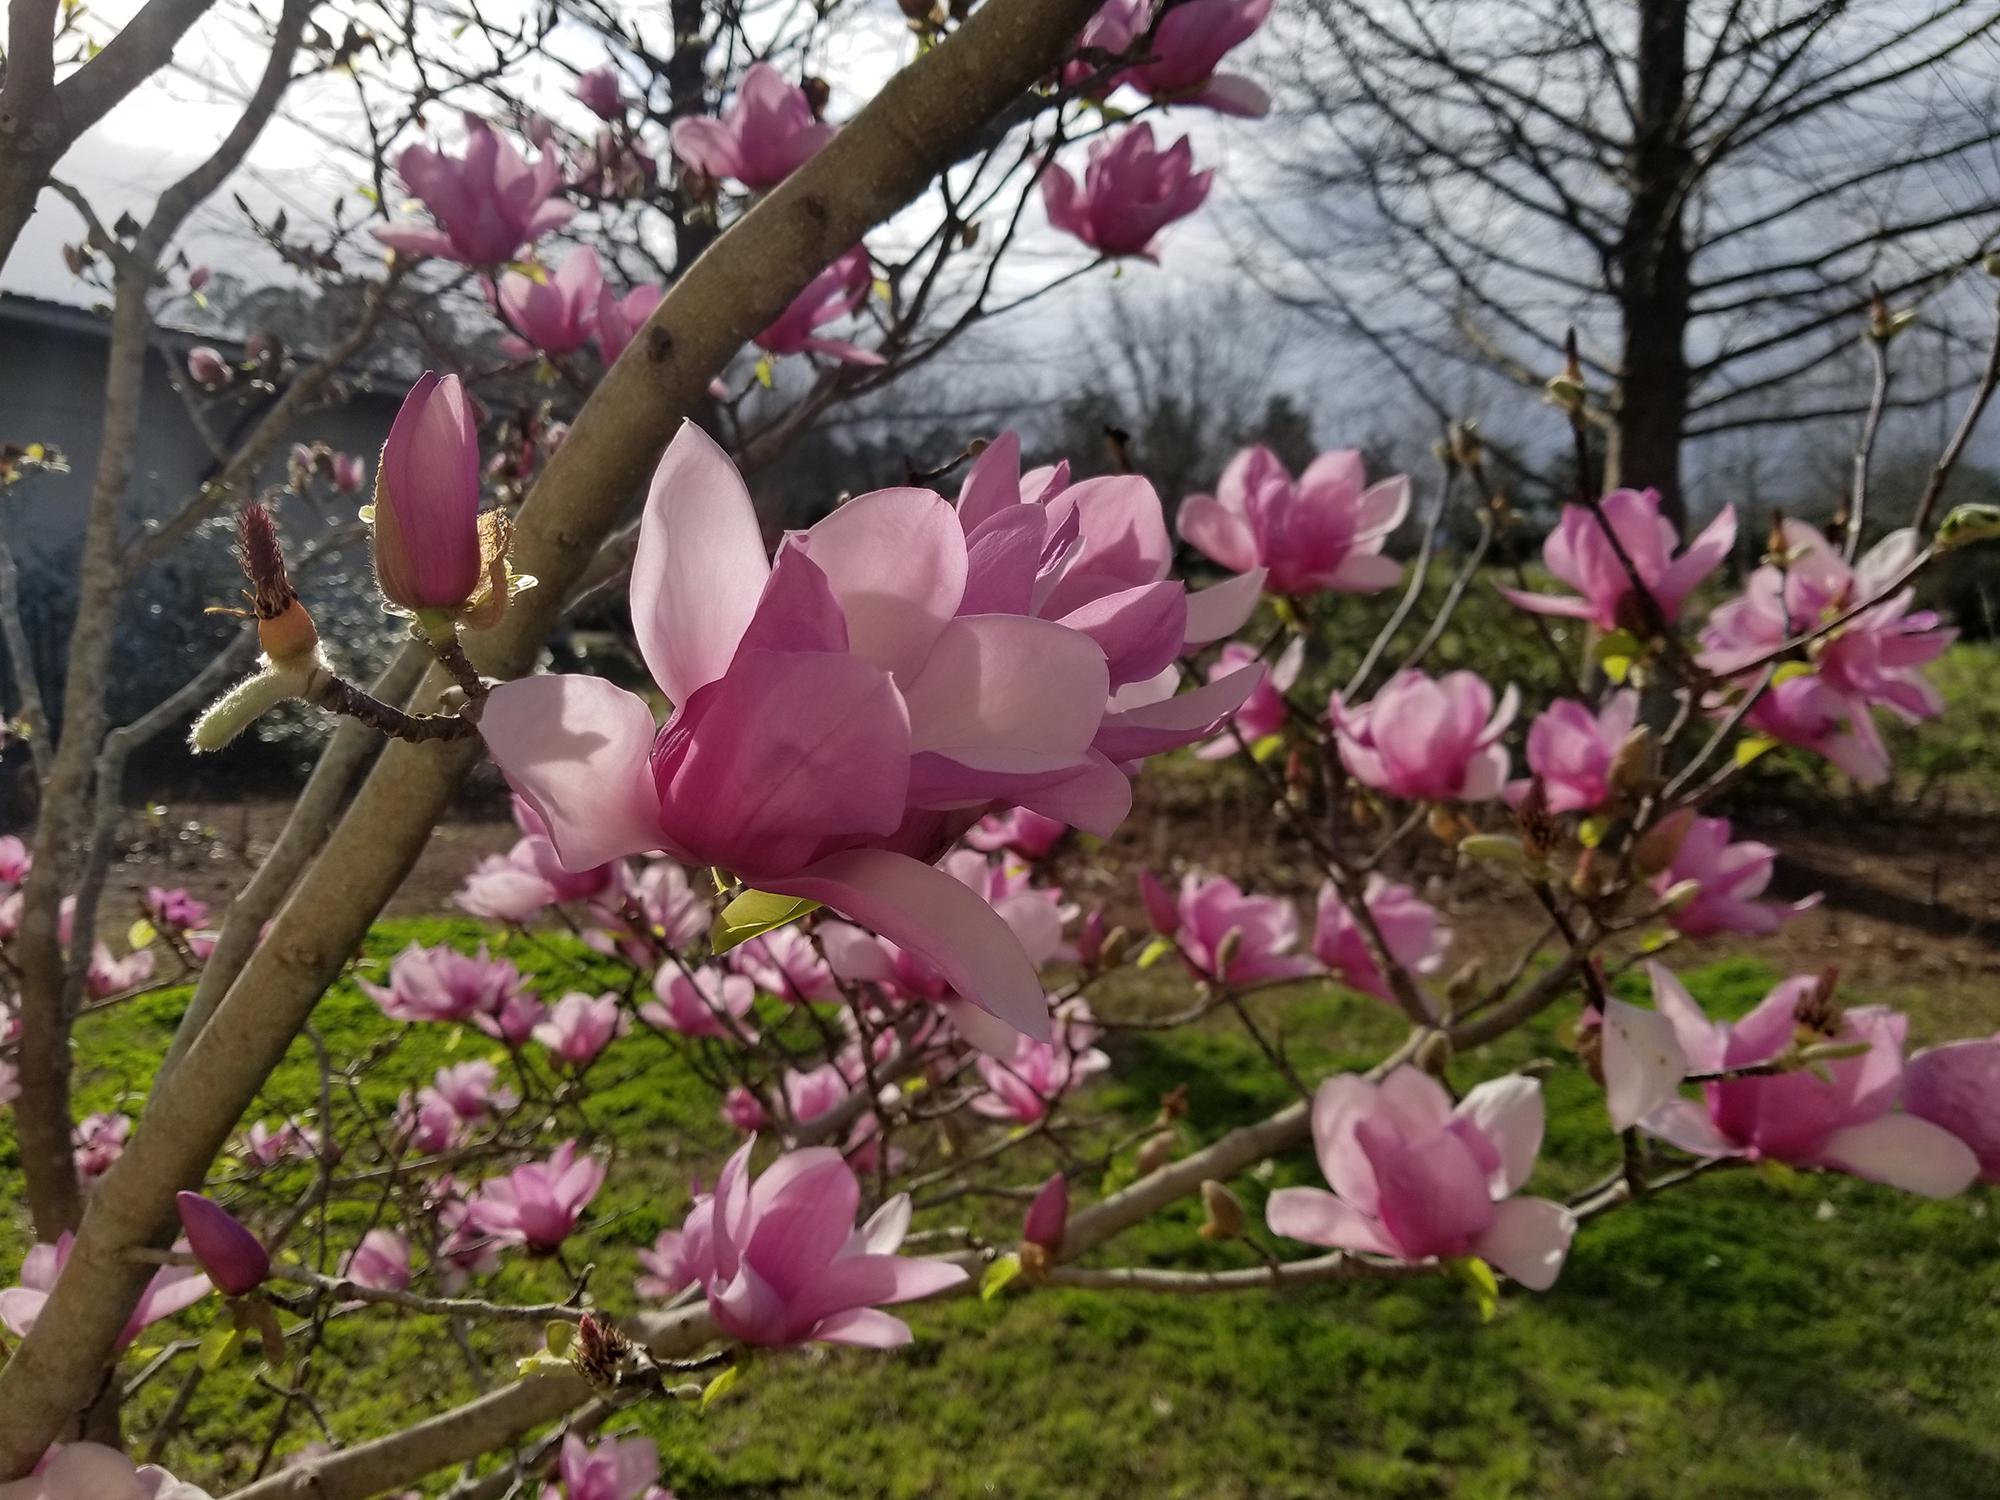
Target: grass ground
x=1745, y=1337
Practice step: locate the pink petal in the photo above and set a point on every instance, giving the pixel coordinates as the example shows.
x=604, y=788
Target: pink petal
x=1218, y=532
x=1643, y=1062
x=1180, y=720
x=919, y=907
x=896, y=561
x=1509, y=1113
x=576, y=748
x=1528, y=1240
x=1904, y=1152
x=1222, y=609
x=1007, y=682
x=864, y=1328
x=1315, y=1217
x=700, y=567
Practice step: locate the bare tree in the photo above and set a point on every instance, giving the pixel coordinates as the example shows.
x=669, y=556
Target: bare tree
x=1706, y=189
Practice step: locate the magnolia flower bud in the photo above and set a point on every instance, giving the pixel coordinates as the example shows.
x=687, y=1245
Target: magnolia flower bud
x=1157, y=1151
x=234, y=1258
x=1117, y=943
x=1173, y=1104
x=350, y=472
x=426, y=522
x=1090, y=939
x=208, y=369
x=1048, y=1215
x=1657, y=847
x=1161, y=910
x=1225, y=1212
x=199, y=277
x=1634, y=767
x=1434, y=1053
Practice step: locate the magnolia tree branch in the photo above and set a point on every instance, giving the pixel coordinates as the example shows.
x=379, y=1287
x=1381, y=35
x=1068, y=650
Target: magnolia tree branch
x=920, y=122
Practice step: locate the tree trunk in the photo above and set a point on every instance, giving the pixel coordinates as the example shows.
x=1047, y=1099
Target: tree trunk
x=1654, y=269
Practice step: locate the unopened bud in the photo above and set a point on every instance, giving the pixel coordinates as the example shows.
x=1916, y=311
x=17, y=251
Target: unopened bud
x=234, y=1258
x=1634, y=767
x=1433, y=1053
x=1117, y=943
x=1047, y=1218
x=1173, y=1104
x=818, y=91
x=1990, y=262
x=1494, y=846
x=1463, y=985
x=1968, y=524
x=208, y=369
x=1589, y=1042
x=1157, y=1151
x=1884, y=324
x=1537, y=824
x=1679, y=896
x=1658, y=846
x=1467, y=448
x=1225, y=1212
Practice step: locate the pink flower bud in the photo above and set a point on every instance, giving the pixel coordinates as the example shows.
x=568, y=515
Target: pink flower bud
x=1161, y=911
x=208, y=369
x=1048, y=1215
x=427, y=500
x=350, y=472
x=602, y=92
x=199, y=278
x=234, y=1258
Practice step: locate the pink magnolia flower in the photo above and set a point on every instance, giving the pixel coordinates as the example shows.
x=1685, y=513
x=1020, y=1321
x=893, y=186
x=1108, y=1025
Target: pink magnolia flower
x=618, y=318
x=1416, y=1179
x=426, y=527
x=472, y=1090
x=1027, y=834
x=609, y=1469
x=646, y=914
x=350, y=472
x=426, y=1124
x=812, y=1092
x=761, y=139
x=538, y=1203
x=1957, y=1088
x=208, y=369
x=1410, y=928
x=113, y=976
x=1803, y=708
x=1839, y=1114
x=1047, y=1219
x=603, y=92
x=173, y=910
x=90, y=1471
x=1131, y=190
x=381, y=1261
x=439, y=984
x=1876, y=658
x=614, y=165
x=1428, y=739
x=1022, y=1088
x=1190, y=41
x=502, y=888
x=1323, y=531
x=267, y=1147
x=744, y=1110
x=701, y=1002
x=99, y=1141
x=838, y=722
x=1263, y=712
x=782, y=1263
x=1732, y=878
x=15, y=860
x=1579, y=554
x=173, y=1289
x=578, y=1027
x=830, y=296
x=669, y=1268
x=514, y=1020
x=1262, y=930
x=234, y=1258
x=488, y=203
x=784, y=963
x=1572, y=750
x=555, y=314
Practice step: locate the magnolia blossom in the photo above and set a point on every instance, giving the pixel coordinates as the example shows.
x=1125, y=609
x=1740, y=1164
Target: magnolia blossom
x=1430, y=739
x=618, y=318
x=668, y=1268
x=838, y=718
x=538, y=1203
x=381, y=1261
x=1263, y=713
x=781, y=1262
x=761, y=139
x=1957, y=1087
x=1189, y=42
x=701, y=1002
x=1730, y=879
x=208, y=369
x=1804, y=709
x=1213, y=916
x=99, y=1141
x=812, y=1092
x=90, y=1471
x=743, y=1110
x=783, y=962
x=1047, y=1218
x=1323, y=531
x=173, y=910
x=1130, y=192
x=349, y=471
x=1580, y=554
x=609, y=1469
x=1415, y=1178
x=15, y=860
x=488, y=203
x=172, y=1289
x=425, y=532
x=1410, y=929
x=1839, y=1113
x=553, y=313
x=578, y=1027
x=1572, y=750
x=514, y=1019
x=109, y=976
x=1021, y=1088
x=472, y=1091
x=602, y=92
x=440, y=984
x=830, y=296
x=427, y=1124
x=1027, y=834
x=267, y=1147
